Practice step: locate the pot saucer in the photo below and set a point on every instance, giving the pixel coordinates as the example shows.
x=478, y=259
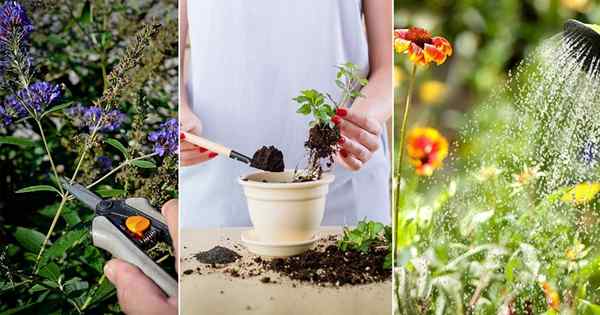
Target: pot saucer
x=275, y=249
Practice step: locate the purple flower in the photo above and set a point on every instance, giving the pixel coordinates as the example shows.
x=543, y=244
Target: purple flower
x=105, y=163
x=166, y=140
x=33, y=99
x=89, y=117
x=15, y=28
x=39, y=95
x=590, y=153
x=14, y=20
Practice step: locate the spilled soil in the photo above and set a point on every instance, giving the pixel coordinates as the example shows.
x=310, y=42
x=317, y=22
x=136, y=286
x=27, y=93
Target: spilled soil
x=325, y=265
x=217, y=255
x=268, y=159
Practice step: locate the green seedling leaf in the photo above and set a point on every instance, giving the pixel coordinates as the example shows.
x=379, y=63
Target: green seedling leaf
x=50, y=272
x=304, y=109
x=30, y=239
x=117, y=145
x=22, y=142
x=37, y=188
x=143, y=163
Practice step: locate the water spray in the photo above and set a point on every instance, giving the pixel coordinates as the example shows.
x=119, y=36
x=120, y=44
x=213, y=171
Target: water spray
x=584, y=38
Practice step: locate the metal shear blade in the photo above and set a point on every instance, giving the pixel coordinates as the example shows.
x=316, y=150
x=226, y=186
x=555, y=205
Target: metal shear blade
x=82, y=194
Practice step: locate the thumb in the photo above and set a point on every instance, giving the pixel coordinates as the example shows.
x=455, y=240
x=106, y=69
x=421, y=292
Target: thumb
x=137, y=293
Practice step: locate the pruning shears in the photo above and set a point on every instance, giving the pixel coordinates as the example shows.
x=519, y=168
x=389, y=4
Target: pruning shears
x=127, y=228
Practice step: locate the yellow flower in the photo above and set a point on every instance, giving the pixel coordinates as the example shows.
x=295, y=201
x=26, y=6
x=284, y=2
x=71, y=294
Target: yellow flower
x=527, y=176
x=576, y=5
x=427, y=149
x=552, y=297
x=432, y=92
x=581, y=193
x=487, y=172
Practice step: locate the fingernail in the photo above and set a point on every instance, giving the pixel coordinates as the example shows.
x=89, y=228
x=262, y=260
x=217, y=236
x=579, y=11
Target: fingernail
x=212, y=155
x=336, y=119
x=108, y=271
x=182, y=136
x=201, y=149
x=344, y=153
x=340, y=111
x=342, y=140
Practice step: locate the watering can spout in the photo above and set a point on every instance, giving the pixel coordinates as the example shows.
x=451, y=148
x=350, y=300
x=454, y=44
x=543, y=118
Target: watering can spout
x=584, y=38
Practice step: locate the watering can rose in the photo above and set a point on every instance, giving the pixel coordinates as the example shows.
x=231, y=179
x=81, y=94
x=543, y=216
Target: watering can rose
x=427, y=149
x=421, y=47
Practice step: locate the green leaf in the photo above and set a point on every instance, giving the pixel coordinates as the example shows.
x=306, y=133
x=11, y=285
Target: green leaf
x=106, y=191
x=64, y=243
x=30, y=239
x=143, y=163
x=117, y=145
x=37, y=188
x=50, y=272
x=87, y=16
x=340, y=84
x=22, y=142
x=304, y=109
x=20, y=309
x=103, y=292
x=56, y=108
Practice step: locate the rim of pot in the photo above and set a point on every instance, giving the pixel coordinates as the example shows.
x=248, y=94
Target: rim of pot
x=326, y=178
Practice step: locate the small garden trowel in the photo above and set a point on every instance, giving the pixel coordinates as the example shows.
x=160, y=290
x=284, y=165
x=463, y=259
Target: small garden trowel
x=127, y=228
x=268, y=159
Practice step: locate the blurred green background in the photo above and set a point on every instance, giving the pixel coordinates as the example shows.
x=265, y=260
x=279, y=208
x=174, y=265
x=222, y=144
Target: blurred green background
x=489, y=39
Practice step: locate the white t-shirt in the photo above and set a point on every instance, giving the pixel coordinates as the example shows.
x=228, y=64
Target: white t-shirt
x=248, y=60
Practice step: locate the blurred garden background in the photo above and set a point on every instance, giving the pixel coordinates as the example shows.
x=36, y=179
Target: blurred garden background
x=489, y=39
x=508, y=223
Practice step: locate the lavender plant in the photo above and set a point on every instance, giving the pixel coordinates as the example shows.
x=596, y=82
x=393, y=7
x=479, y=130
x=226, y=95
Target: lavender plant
x=91, y=101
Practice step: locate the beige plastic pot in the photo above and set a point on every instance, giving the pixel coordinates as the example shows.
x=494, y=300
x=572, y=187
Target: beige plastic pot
x=281, y=210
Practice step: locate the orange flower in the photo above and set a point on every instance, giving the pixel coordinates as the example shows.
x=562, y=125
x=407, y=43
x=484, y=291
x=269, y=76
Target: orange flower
x=427, y=149
x=421, y=47
x=552, y=297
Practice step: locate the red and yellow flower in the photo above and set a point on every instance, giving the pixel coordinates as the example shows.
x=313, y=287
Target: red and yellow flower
x=421, y=47
x=427, y=149
x=552, y=297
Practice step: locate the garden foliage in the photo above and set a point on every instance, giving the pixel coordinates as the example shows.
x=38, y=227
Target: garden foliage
x=89, y=91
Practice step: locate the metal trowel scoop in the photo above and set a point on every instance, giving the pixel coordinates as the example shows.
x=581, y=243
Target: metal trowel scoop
x=584, y=37
x=266, y=158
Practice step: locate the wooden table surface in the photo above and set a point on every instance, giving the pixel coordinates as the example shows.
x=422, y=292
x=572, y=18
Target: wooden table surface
x=218, y=293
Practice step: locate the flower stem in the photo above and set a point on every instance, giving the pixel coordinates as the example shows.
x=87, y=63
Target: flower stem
x=114, y=170
x=88, y=300
x=400, y=152
x=50, y=230
x=43, y=135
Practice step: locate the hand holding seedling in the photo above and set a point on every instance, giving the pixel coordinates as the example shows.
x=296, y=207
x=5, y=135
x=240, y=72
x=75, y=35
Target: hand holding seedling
x=359, y=137
x=137, y=293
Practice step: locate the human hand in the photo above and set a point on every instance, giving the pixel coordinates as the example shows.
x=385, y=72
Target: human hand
x=137, y=293
x=190, y=154
x=359, y=137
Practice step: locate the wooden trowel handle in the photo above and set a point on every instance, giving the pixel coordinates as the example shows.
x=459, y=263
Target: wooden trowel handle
x=207, y=144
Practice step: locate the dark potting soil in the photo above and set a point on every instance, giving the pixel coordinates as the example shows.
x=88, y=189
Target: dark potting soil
x=217, y=255
x=332, y=266
x=322, y=144
x=268, y=159
x=322, y=141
